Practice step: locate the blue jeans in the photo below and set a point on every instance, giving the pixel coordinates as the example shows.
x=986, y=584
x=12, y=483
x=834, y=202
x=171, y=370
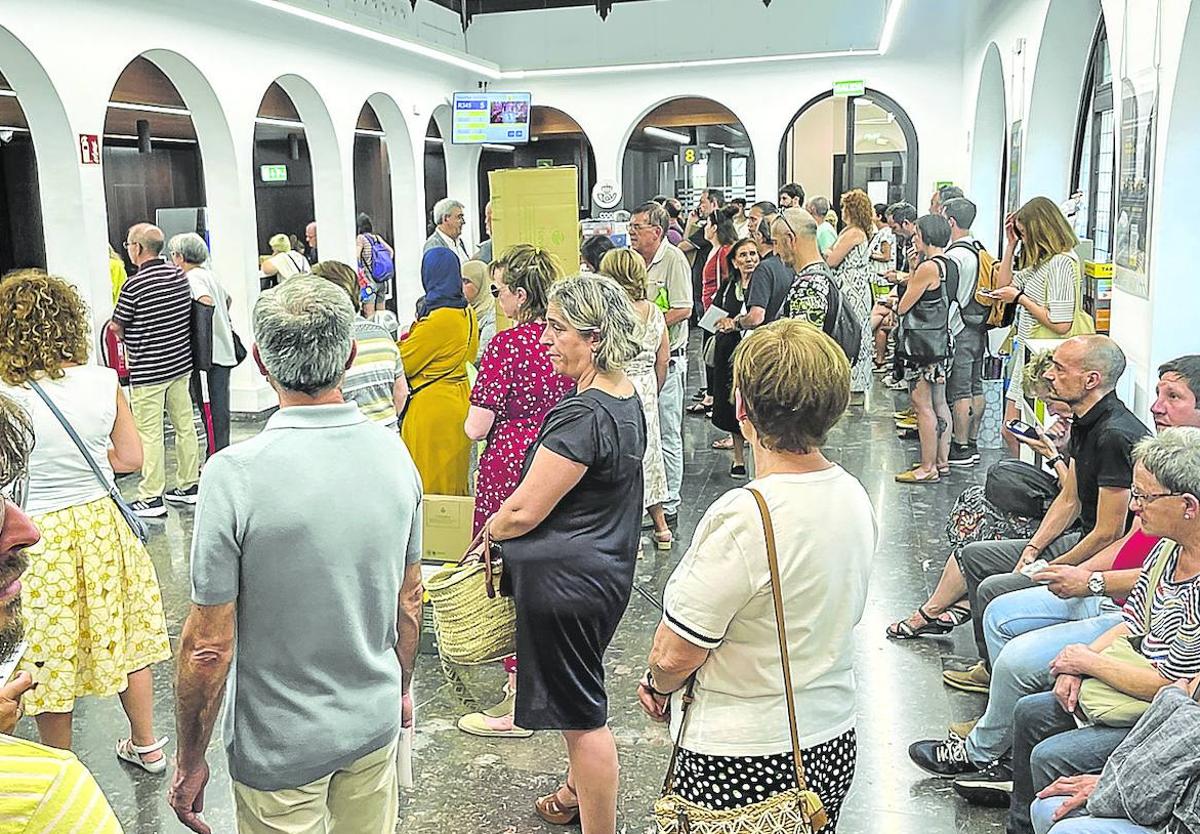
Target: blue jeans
x=670, y=421
x=1021, y=669
x=1078, y=824
x=1021, y=611
x=1047, y=744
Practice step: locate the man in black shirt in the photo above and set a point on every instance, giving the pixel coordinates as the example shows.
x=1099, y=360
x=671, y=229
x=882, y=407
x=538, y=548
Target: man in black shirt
x=1095, y=492
x=770, y=282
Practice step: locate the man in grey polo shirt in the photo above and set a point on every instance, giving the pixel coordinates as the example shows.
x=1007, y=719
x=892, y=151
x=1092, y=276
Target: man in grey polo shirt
x=319, y=582
x=667, y=270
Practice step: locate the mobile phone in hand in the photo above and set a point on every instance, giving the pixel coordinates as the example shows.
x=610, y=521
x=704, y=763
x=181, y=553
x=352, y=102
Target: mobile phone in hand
x=8, y=666
x=1022, y=428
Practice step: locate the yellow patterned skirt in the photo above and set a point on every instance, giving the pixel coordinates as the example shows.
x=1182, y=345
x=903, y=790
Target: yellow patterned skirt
x=92, y=607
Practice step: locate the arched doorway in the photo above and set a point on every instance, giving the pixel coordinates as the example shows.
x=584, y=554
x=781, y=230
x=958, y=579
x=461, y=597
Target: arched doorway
x=684, y=145
x=153, y=169
x=836, y=143
x=555, y=139
x=988, y=143
x=435, y=171
x=22, y=241
x=283, y=173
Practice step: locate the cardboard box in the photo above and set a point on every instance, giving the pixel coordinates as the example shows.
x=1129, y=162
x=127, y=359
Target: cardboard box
x=1098, y=269
x=446, y=522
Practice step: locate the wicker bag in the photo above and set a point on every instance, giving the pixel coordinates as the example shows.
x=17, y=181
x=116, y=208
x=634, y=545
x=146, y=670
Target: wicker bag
x=474, y=624
x=795, y=811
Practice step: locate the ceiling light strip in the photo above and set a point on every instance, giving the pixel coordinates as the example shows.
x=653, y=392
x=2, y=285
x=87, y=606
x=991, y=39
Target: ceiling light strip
x=670, y=65
x=669, y=135
x=266, y=120
x=150, y=108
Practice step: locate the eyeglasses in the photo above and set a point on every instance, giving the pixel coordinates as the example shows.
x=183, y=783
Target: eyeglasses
x=638, y=227
x=495, y=290
x=1145, y=499
x=786, y=223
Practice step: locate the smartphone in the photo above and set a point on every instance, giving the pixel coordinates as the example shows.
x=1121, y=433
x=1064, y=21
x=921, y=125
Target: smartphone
x=9, y=666
x=1022, y=428
x=1034, y=568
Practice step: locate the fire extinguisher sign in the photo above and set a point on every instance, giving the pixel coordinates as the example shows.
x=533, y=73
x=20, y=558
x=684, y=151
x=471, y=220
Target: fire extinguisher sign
x=89, y=149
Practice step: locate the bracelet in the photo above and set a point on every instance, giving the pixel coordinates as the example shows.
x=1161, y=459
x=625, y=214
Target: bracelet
x=1017, y=297
x=649, y=684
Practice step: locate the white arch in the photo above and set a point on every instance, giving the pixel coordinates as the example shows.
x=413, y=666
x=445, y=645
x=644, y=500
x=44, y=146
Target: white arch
x=628, y=133
x=407, y=203
x=57, y=152
x=462, y=172
x=1062, y=59
x=988, y=138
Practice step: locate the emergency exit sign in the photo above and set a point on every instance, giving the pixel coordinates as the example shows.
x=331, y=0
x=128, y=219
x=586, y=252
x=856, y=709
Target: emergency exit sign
x=849, y=88
x=273, y=173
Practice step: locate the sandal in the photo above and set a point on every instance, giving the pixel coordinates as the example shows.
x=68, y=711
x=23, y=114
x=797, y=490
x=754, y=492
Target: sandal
x=129, y=752
x=664, y=540
x=911, y=477
x=725, y=444
x=932, y=625
x=956, y=614
x=700, y=408
x=551, y=809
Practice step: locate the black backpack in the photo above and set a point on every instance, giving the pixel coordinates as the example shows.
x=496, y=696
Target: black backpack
x=974, y=314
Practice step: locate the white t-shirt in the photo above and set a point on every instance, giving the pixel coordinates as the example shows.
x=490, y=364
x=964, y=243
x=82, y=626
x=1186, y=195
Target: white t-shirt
x=59, y=476
x=719, y=598
x=968, y=279
x=289, y=264
x=204, y=282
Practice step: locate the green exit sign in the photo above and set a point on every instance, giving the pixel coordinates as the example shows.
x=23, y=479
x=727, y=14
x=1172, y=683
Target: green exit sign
x=849, y=88
x=273, y=173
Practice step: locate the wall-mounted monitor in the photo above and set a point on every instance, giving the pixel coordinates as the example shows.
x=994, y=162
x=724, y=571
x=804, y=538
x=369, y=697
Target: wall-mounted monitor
x=501, y=118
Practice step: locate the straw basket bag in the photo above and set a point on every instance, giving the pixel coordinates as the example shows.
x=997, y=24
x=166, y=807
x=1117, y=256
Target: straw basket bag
x=795, y=811
x=474, y=624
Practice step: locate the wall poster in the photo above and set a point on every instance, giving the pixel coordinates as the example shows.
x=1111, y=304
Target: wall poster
x=1135, y=151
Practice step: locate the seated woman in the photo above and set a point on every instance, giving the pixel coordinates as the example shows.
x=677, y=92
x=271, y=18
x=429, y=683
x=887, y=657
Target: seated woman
x=283, y=262
x=435, y=354
x=570, y=537
x=979, y=520
x=718, y=640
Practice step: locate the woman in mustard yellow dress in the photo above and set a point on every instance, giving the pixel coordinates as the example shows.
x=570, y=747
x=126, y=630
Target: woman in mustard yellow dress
x=436, y=351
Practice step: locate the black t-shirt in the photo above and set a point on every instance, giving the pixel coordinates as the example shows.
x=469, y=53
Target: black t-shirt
x=1102, y=448
x=703, y=248
x=769, y=286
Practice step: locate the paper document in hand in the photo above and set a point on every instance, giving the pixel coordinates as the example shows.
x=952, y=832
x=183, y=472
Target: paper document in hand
x=711, y=317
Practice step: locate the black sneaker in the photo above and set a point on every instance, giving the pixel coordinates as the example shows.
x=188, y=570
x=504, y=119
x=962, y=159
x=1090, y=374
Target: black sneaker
x=184, y=496
x=990, y=787
x=961, y=455
x=942, y=757
x=149, y=508
x=700, y=395
x=738, y=472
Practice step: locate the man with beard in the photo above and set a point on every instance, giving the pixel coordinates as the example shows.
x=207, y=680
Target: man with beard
x=41, y=788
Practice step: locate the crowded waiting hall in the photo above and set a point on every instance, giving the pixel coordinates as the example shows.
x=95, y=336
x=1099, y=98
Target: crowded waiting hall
x=616, y=416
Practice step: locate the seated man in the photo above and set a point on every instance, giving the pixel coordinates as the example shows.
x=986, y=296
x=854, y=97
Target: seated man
x=1084, y=375
x=41, y=789
x=1027, y=629
x=1161, y=621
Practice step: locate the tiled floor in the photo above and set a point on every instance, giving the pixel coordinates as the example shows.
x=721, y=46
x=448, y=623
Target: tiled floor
x=475, y=785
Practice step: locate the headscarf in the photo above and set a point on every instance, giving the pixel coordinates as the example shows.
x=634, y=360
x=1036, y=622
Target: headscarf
x=477, y=273
x=441, y=276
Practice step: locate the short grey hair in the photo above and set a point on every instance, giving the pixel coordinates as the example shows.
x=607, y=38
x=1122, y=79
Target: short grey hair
x=597, y=304
x=302, y=330
x=1173, y=458
x=189, y=246
x=443, y=208
x=655, y=214
x=798, y=221
x=819, y=205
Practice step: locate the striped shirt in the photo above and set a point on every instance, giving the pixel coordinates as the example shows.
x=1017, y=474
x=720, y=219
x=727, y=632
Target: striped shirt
x=155, y=308
x=370, y=381
x=1173, y=643
x=1051, y=285
x=47, y=791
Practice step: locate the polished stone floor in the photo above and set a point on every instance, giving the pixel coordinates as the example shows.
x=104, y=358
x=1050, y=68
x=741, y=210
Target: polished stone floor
x=474, y=785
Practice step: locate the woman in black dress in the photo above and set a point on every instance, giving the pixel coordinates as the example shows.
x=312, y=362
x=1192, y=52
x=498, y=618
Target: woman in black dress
x=731, y=297
x=570, y=535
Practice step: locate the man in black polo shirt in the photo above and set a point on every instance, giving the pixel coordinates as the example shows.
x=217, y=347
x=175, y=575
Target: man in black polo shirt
x=772, y=278
x=153, y=318
x=1083, y=375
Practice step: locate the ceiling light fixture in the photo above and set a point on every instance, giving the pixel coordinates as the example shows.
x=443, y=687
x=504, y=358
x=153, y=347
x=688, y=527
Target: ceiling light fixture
x=668, y=135
x=367, y=131
x=488, y=146
x=8, y=94
x=133, y=138
x=289, y=123
x=150, y=108
x=434, y=140
x=733, y=130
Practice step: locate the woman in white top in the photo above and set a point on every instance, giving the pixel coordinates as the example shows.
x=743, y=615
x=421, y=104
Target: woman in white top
x=477, y=287
x=1044, y=282
x=94, y=618
x=284, y=262
x=189, y=252
x=792, y=383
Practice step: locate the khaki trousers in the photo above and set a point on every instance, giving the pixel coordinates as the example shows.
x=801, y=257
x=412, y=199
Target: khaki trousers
x=148, y=403
x=362, y=798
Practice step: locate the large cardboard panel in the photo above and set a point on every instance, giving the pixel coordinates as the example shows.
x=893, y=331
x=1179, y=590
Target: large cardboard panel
x=537, y=206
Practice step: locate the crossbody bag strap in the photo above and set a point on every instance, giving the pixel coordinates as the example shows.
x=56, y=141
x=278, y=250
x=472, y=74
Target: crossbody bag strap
x=781, y=629
x=1156, y=574
x=75, y=438
x=687, y=698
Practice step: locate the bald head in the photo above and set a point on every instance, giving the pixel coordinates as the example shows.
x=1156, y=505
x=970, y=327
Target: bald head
x=146, y=242
x=1103, y=356
x=1083, y=370
x=795, y=234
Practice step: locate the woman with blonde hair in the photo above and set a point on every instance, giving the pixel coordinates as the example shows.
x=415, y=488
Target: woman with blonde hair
x=94, y=612
x=1044, y=281
x=478, y=291
x=853, y=271
x=284, y=262
x=648, y=372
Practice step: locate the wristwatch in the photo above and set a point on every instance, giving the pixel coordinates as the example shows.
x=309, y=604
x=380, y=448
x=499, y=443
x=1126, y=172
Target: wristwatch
x=1096, y=586
x=1054, y=461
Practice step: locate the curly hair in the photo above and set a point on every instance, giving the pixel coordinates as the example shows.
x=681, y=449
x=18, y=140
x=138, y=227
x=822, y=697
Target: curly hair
x=858, y=211
x=44, y=325
x=16, y=441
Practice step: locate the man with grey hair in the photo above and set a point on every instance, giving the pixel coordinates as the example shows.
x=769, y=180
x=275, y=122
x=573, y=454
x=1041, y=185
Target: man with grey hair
x=209, y=385
x=449, y=218
x=153, y=318
x=321, y=589
x=818, y=207
x=486, y=251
